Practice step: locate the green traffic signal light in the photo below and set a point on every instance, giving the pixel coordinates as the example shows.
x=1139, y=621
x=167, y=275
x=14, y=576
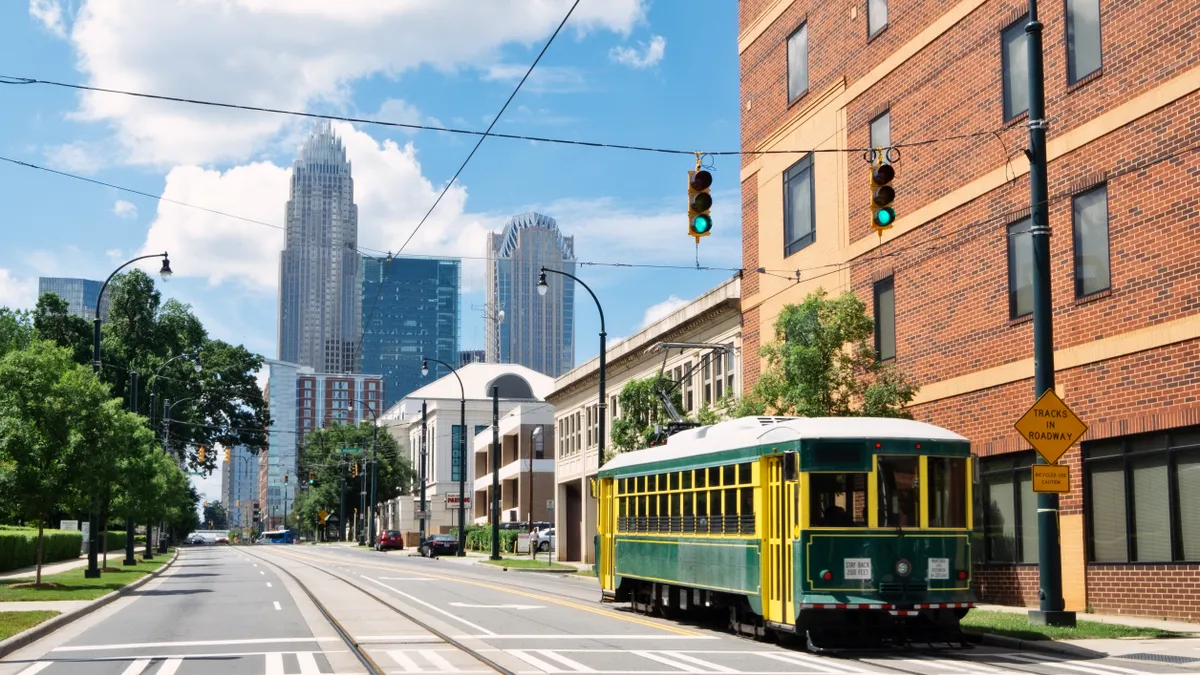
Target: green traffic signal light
x=883, y=215
x=702, y=224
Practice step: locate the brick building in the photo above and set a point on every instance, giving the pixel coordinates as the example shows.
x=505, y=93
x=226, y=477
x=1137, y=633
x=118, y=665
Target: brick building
x=951, y=282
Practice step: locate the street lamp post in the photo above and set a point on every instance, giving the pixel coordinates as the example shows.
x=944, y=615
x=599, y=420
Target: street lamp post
x=93, y=569
x=462, y=454
x=369, y=512
x=542, y=287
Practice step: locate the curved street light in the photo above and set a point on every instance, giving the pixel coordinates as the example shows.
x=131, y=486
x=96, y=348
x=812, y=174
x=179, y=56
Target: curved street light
x=195, y=356
x=462, y=453
x=93, y=568
x=374, y=436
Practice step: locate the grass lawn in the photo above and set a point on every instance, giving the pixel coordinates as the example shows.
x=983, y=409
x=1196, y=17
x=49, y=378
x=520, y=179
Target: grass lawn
x=1018, y=626
x=71, y=585
x=526, y=563
x=12, y=623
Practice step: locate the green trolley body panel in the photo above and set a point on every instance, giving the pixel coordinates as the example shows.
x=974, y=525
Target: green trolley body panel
x=726, y=565
x=866, y=568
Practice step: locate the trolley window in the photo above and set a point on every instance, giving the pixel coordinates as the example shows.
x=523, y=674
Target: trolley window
x=837, y=499
x=947, y=492
x=899, y=492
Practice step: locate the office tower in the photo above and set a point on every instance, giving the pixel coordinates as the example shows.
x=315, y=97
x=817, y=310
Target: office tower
x=320, y=304
x=472, y=356
x=410, y=309
x=80, y=295
x=525, y=328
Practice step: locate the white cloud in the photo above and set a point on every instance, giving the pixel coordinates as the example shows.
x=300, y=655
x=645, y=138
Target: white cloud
x=289, y=54
x=649, y=55
x=662, y=310
x=76, y=157
x=50, y=14
x=124, y=209
x=17, y=293
x=390, y=191
x=403, y=112
x=556, y=79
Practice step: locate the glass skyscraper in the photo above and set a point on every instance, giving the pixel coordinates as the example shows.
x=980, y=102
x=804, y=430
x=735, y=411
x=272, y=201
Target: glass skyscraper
x=320, y=303
x=80, y=295
x=537, y=332
x=417, y=315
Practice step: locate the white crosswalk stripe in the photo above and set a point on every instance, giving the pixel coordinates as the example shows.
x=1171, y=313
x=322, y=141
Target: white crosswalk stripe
x=433, y=657
x=136, y=667
x=169, y=667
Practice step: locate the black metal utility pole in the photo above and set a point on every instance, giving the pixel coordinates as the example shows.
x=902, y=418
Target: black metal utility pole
x=342, y=498
x=130, y=559
x=374, y=468
x=1050, y=596
x=462, y=473
x=424, y=431
x=495, y=473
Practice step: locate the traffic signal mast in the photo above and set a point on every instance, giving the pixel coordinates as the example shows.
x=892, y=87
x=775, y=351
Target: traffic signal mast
x=883, y=216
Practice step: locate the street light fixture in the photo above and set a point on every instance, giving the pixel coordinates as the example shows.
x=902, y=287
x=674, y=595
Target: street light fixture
x=93, y=568
x=462, y=454
x=374, y=436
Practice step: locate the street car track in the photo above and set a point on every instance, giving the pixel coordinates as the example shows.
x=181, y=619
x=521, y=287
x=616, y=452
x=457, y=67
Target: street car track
x=359, y=653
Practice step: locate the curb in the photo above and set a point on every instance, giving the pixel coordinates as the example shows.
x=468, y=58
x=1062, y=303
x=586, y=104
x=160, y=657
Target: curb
x=46, y=627
x=1044, y=646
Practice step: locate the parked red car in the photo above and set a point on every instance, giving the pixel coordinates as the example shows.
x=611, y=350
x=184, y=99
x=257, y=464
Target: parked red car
x=389, y=539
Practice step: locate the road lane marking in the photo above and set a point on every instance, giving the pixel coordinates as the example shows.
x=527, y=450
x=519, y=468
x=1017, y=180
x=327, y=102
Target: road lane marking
x=815, y=664
x=136, y=667
x=571, y=636
x=575, y=666
x=564, y=603
x=261, y=572
x=308, y=663
x=36, y=668
x=170, y=667
x=193, y=643
x=275, y=663
x=277, y=607
x=406, y=578
x=533, y=661
x=467, y=604
x=457, y=618
x=268, y=584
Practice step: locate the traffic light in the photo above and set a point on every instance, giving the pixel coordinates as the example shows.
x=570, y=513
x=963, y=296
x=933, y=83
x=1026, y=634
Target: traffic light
x=201, y=455
x=699, y=203
x=227, y=455
x=883, y=216
x=311, y=479
x=285, y=479
x=356, y=469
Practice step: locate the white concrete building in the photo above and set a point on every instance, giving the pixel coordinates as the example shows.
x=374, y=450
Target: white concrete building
x=526, y=466
x=714, y=318
x=518, y=386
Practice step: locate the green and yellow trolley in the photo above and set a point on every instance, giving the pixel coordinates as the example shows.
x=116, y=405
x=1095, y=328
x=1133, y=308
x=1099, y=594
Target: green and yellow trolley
x=841, y=530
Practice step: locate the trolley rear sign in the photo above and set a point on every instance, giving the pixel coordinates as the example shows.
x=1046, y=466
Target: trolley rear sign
x=1050, y=427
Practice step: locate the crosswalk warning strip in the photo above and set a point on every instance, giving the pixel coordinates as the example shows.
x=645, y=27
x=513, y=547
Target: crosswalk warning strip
x=438, y=660
x=682, y=665
x=404, y=661
x=535, y=661
x=136, y=667
x=813, y=664
x=36, y=668
x=1096, y=668
x=700, y=663
x=951, y=665
x=308, y=663
x=170, y=666
x=275, y=663
x=575, y=666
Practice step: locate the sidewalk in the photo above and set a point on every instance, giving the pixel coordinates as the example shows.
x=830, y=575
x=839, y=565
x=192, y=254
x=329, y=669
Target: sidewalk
x=62, y=565
x=1177, y=651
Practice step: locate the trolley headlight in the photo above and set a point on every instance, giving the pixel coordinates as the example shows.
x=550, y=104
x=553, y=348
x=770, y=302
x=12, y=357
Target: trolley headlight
x=903, y=567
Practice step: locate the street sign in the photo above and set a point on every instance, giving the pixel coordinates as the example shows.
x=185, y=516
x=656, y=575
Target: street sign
x=452, y=501
x=549, y=504
x=1050, y=427
x=349, y=450
x=1051, y=478
x=324, y=515
x=421, y=515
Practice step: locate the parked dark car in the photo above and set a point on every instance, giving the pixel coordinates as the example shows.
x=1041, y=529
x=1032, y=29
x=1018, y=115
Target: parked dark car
x=389, y=539
x=438, y=544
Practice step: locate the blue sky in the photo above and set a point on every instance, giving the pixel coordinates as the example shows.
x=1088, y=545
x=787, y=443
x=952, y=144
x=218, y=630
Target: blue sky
x=623, y=71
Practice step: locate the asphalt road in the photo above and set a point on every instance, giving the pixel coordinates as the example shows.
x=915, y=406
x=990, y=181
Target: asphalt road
x=240, y=612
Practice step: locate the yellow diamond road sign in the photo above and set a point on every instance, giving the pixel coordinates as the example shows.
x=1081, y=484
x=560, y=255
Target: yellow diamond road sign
x=324, y=515
x=1050, y=427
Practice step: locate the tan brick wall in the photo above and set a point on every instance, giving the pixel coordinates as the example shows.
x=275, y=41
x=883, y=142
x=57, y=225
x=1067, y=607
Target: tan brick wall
x=1159, y=591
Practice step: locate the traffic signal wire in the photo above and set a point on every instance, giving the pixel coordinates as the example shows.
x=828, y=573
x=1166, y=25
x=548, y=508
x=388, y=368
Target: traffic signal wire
x=20, y=80
x=390, y=258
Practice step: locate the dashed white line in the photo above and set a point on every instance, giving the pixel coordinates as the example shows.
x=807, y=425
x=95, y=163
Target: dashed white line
x=277, y=607
x=193, y=643
x=268, y=584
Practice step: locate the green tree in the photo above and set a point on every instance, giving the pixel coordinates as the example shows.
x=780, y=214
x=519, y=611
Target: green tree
x=53, y=320
x=333, y=475
x=16, y=330
x=50, y=413
x=641, y=409
x=822, y=363
x=215, y=513
x=142, y=490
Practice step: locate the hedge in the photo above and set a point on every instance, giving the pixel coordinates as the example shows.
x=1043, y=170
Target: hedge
x=18, y=547
x=479, y=538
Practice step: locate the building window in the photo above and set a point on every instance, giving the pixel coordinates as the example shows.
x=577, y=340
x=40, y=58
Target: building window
x=1143, y=497
x=730, y=364
x=1083, y=39
x=1009, y=509
x=1020, y=269
x=799, y=228
x=797, y=63
x=1014, y=56
x=876, y=17
x=881, y=134
x=1089, y=211
x=885, y=319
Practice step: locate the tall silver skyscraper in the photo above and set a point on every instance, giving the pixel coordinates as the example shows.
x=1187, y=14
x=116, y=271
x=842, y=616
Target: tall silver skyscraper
x=534, y=331
x=320, y=278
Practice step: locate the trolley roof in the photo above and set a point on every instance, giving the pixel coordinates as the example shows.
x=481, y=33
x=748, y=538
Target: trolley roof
x=703, y=445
